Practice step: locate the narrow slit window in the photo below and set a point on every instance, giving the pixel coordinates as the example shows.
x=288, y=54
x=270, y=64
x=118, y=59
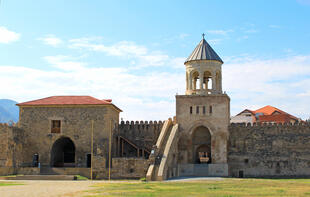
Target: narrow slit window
x=191, y=110
x=204, y=109
x=210, y=109
x=197, y=110
x=56, y=124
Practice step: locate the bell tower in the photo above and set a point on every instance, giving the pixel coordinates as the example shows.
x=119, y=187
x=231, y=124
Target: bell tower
x=203, y=71
x=203, y=115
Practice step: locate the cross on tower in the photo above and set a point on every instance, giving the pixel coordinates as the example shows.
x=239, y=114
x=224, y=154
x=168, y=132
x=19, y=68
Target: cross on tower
x=203, y=35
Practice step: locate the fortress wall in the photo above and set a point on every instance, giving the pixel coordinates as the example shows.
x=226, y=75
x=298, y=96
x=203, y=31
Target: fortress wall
x=269, y=150
x=11, y=143
x=4, y=132
x=143, y=133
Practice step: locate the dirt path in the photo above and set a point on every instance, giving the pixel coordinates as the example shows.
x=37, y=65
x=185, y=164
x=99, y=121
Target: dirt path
x=46, y=188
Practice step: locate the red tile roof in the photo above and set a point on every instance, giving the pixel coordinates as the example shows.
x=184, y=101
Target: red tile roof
x=277, y=118
x=247, y=110
x=271, y=114
x=270, y=110
x=68, y=100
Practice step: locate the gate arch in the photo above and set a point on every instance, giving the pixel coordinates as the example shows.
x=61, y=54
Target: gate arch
x=201, y=144
x=63, y=153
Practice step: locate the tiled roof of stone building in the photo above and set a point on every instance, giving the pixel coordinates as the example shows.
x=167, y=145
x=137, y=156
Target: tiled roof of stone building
x=68, y=100
x=203, y=51
x=278, y=118
x=270, y=110
x=270, y=114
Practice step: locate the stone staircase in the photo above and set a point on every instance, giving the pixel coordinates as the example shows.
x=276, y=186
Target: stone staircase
x=47, y=171
x=161, y=157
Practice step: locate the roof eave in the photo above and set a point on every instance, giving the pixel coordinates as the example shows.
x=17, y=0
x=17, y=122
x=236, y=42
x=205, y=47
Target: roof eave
x=68, y=105
x=204, y=59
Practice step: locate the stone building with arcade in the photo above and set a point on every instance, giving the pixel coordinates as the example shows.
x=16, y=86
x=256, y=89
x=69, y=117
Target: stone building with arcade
x=83, y=135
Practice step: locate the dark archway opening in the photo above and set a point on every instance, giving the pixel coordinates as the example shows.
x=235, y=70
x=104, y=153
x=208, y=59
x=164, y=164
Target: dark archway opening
x=201, y=145
x=63, y=153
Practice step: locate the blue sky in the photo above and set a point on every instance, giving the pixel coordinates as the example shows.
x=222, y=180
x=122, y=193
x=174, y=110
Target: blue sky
x=133, y=51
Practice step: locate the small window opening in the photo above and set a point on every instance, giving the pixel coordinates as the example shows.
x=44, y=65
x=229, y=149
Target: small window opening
x=197, y=110
x=35, y=160
x=278, y=168
x=204, y=109
x=246, y=161
x=56, y=126
x=88, y=160
x=191, y=110
x=210, y=109
x=241, y=175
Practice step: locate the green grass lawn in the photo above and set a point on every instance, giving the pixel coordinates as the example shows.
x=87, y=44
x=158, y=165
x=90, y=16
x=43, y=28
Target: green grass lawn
x=9, y=183
x=226, y=187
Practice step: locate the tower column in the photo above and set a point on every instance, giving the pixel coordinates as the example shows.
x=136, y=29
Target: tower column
x=186, y=80
x=190, y=82
x=220, y=81
x=213, y=82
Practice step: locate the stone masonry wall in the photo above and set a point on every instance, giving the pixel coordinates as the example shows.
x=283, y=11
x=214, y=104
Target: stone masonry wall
x=11, y=144
x=143, y=133
x=269, y=150
x=121, y=168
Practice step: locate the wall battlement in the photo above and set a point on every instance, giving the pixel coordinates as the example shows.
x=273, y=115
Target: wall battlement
x=5, y=126
x=142, y=133
x=141, y=122
x=269, y=124
x=140, y=128
x=270, y=129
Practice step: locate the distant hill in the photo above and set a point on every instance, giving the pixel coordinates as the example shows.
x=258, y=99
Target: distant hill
x=8, y=111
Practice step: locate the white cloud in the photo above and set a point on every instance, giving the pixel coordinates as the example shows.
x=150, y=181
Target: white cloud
x=215, y=41
x=7, y=36
x=220, y=32
x=64, y=62
x=274, y=26
x=251, y=31
x=250, y=82
x=279, y=82
x=51, y=40
x=149, y=96
x=122, y=49
x=242, y=38
x=140, y=55
x=183, y=36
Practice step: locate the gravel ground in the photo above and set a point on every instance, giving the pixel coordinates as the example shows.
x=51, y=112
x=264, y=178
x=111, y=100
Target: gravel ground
x=46, y=188
x=66, y=188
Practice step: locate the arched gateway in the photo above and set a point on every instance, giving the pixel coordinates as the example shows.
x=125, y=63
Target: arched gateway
x=63, y=153
x=201, y=145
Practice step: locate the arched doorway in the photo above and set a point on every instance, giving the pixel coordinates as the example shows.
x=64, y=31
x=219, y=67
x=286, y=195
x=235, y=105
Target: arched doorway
x=63, y=153
x=201, y=145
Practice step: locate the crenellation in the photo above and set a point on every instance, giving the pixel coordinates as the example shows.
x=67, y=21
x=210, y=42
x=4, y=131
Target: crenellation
x=141, y=133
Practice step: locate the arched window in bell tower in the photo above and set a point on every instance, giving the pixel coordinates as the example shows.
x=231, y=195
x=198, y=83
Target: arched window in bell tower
x=207, y=80
x=195, y=77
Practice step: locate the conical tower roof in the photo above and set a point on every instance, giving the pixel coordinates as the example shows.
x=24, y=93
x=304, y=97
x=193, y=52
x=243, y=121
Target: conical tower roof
x=203, y=51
